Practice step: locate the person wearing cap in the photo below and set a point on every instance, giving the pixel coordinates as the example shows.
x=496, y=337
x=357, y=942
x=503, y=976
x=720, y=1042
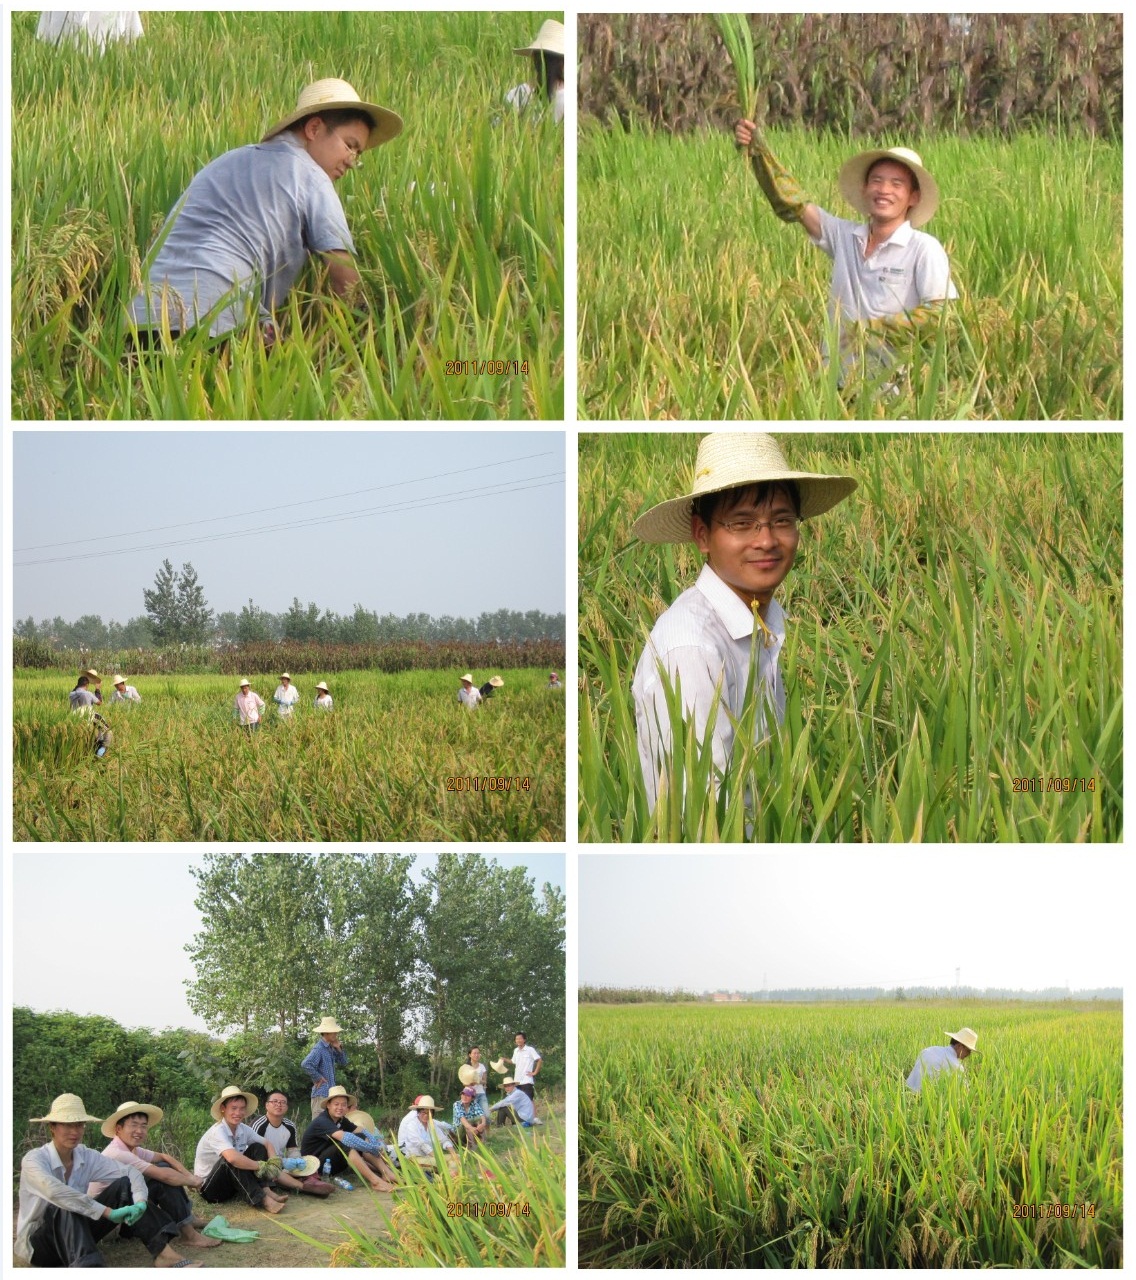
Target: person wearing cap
x=286, y=696
x=166, y=1177
x=743, y=512
x=470, y=1120
x=323, y=697
x=124, y=692
x=889, y=279
x=280, y=1137
x=61, y=1220
x=241, y=233
x=330, y=1139
x=527, y=1063
x=488, y=688
x=417, y=1134
x=515, y=1107
x=232, y=1161
x=547, y=53
x=943, y=1057
x=468, y=695
x=248, y=706
x=326, y=1054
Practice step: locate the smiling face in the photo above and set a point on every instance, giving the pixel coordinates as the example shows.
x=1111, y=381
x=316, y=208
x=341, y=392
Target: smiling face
x=234, y=1110
x=754, y=564
x=337, y=1107
x=475, y=1055
x=337, y=149
x=132, y=1130
x=276, y=1107
x=891, y=191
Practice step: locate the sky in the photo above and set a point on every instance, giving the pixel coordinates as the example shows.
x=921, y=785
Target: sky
x=458, y=523
x=110, y=895
x=740, y=922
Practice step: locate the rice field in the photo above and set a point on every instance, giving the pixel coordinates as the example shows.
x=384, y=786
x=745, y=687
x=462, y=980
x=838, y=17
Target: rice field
x=397, y=759
x=773, y=1135
x=458, y=222
x=695, y=302
x=953, y=651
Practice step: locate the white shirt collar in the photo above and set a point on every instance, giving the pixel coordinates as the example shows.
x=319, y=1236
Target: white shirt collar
x=900, y=236
x=736, y=615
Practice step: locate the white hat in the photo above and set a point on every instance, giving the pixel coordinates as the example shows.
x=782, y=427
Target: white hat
x=153, y=1115
x=244, y=681
x=466, y=679
x=730, y=460
x=424, y=1102
x=322, y=686
x=549, y=39
x=119, y=680
x=67, y=1109
x=338, y=1091
x=285, y=676
x=507, y=1080
x=338, y=95
x=496, y=681
x=964, y=1036
x=328, y=1026
x=854, y=173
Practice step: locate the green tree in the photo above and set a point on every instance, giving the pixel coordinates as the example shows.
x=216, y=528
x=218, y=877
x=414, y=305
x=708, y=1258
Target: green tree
x=194, y=616
x=162, y=605
x=254, y=625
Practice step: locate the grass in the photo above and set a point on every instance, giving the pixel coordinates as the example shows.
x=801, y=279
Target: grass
x=374, y=768
x=788, y=1137
x=696, y=303
x=458, y=222
x=954, y=626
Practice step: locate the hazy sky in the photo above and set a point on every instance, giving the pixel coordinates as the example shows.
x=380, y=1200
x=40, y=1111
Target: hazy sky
x=458, y=522
x=111, y=894
x=707, y=921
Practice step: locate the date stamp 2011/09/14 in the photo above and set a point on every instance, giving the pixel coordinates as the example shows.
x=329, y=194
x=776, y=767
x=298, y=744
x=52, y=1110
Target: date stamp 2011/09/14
x=1059, y=786
x=495, y=368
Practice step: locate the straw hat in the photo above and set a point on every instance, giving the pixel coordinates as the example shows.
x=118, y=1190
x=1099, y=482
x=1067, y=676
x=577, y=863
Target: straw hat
x=92, y=674
x=965, y=1036
x=496, y=681
x=425, y=1103
x=338, y=95
x=67, y=1109
x=322, y=686
x=311, y=1165
x=499, y=1066
x=729, y=460
x=328, y=1027
x=507, y=1080
x=231, y=1091
x=285, y=676
x=243, y=683
x=118, y=680
x=854, y=173
x=338, y=1091
x=362, y=1120
x=549, y=39
x=467, y=1074
x=153, y=1115
x=466, y=679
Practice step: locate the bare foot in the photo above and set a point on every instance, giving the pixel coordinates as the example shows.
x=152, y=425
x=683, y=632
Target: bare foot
x=380, y=1185
x=168, y=1258
x=197, y=1240
x=273, y=1206
x=197, y=1221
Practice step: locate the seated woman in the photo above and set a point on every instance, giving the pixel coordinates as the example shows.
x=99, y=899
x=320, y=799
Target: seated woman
x=241, y=233
x=547, y=52
x=470, y=1120
x=324, y=1139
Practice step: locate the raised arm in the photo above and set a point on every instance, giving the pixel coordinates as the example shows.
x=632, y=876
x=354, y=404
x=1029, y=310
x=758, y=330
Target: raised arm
x=780, y=187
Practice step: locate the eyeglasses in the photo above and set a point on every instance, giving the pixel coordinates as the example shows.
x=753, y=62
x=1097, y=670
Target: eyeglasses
x=354, y=148
x=780, y=526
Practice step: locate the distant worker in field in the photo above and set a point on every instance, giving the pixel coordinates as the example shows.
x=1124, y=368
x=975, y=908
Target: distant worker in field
x=247, y=707
x=286, y=696
x=744, y=513
x=547, y=53
x=323, y=697
x=241, y=233
x=468, y=696
x=943, y=1057
x=889, y=279
x=490, y=687
x=326, y=1054
x=89, y=27
x=554, y=681
x=82, y=697
x=124, y=692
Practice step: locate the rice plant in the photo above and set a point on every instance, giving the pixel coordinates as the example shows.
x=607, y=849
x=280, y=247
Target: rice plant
x=774, y=1136
x=738, y=39
x=953, y=652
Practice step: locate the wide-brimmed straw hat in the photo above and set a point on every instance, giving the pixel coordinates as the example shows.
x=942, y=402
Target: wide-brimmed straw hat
x=549, y=39
x=854, y=173
x=338, y=1091
x=231, y=1091
x=496, y=681
x=466, y=679
x=507, y=1080
x=311, y=1165
x=362, y=1120
x=92, y=674
x=425, y=1103
x=328, y=1027
x=285, y=676
x=118, y=680
x=964, y=1036
x=500, y=1067
x=467, y=1074
x=244, y=682
x=67, y=1109
x=153, y=1115
x=322, y=686
x=731, y=460
x=338, y=95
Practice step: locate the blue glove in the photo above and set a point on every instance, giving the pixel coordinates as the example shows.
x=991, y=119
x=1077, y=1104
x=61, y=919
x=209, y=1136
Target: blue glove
x=128, y=1214
x=293, y=1163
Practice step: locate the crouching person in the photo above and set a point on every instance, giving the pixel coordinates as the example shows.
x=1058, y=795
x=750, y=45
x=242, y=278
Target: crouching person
x=232, y=1161
x=417, y=1133
x=331, y=1139
x=515, y=1106
x=60, y=1222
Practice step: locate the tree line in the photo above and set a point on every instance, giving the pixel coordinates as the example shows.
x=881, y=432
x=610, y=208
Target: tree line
x=805, y=995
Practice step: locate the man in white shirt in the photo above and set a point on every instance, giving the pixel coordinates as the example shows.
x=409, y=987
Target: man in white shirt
x=417, y=1134
x=232, y=1160
x=286, y=696
x=124, y=692
x=468, y=696
x=527, y=1063
x=744, y=514
x=943, y=1057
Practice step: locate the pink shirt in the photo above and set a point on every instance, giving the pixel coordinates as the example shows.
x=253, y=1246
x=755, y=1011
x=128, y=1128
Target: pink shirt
x=116, y=1149
x=249, y=707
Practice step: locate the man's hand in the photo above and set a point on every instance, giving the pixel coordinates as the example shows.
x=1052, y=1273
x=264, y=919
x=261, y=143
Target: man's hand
x=292, y=1164
x=128, y=1214
x=269, y=1168
x=743, y=133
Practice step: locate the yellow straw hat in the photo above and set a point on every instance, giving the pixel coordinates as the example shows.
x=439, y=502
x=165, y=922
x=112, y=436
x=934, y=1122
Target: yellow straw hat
x=338, y=95
x=231, y=1091
x=549, y=39
x=854, y=173
x=67, y=1109
x=153, y=1115
x=964, y=1036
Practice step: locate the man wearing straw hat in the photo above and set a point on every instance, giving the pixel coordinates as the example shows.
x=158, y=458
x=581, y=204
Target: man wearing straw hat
x=327, y=1054
x=547, y=53
x=286, y=696
x=889, y=279
x=61, y=1219
x=743, y=511
x=468, y=695
x=240, y=235
x=124, y=692
x=515, y=1107
x=332, y=1140
x=943, y=1057
x=232, y=1161
x=247, y=707
x=417, y=1134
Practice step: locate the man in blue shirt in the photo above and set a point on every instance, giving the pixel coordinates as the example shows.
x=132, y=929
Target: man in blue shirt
x=320, y=1064
x=515, y=1106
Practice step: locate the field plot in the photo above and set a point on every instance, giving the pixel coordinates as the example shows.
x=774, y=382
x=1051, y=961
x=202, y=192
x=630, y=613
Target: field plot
x=953, y=647
x=776, y=1135
x=458, y=222
x=378, y=767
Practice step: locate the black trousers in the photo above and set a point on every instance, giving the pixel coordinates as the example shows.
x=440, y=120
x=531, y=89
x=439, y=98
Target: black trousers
x=328, y=1150
x=64, y=1239
x=225, y=1182
x=529, y=1089
x=173, y=1201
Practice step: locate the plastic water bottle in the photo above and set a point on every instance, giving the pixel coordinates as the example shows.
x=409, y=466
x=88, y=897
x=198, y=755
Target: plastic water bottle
x=343, y=1184
x=327, y=1168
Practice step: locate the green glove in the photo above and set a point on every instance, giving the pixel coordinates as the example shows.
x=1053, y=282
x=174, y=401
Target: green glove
x=269, y=1168
x=129, y=1213
x=219, y=1229
x=780, y=187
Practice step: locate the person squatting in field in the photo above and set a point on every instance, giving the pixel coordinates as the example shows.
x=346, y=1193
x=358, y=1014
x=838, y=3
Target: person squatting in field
x=889, y=279
x=62, y=1217
x=943, y=1057
x=332, y=1139
x=241, y=233
x=124, y=692
x=547, y=53
x=744, y=513
x=515, y=1107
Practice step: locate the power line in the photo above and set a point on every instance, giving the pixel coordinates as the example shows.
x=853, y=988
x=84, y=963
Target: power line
x=305, y=502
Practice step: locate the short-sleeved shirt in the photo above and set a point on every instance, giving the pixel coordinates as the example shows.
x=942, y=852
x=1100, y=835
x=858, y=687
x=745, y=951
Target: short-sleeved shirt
x=940, y=1057
x=524, y=1059
x=81, y=699
x=247, y=221
x=286, y=699
x=474, y=1112
x=140, y=1158
x=280, y=1137
x=468, y=697
x=221, y=1138
x=317, y=1139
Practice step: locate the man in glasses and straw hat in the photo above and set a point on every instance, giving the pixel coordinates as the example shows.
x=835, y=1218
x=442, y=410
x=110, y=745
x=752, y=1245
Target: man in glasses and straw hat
x=743, y=512
x=943, y=1057
x=547, y=53
x=327, y=1054
x=62, y=1217
x=889, y=279
x=241, y=233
